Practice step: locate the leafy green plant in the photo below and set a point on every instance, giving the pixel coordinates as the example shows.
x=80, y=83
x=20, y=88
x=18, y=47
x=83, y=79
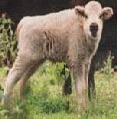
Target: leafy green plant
x=107, y=69
x=7, y=41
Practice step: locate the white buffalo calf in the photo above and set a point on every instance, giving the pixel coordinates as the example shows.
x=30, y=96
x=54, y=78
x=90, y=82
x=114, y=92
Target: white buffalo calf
x=71, y=35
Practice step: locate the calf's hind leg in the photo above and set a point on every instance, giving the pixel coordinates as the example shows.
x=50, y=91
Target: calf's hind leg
x=25, y=78
x=19, y=68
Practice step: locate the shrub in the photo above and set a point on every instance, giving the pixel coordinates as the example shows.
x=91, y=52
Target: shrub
x=7, y=42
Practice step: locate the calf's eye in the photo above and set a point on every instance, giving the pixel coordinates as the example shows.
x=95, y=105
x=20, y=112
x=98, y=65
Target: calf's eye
x=86, y=16
x=100, y=16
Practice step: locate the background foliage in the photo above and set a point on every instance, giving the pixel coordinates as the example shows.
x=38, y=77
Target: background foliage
x=7, y=42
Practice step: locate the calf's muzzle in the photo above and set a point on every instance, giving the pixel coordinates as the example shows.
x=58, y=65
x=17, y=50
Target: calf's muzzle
x=94, y=29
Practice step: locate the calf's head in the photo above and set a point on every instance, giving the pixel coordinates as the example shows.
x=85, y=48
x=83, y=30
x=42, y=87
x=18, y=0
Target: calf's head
x=94, y=15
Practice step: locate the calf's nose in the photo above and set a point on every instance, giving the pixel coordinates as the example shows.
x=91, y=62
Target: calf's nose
x=93, y=26
x=94, y=29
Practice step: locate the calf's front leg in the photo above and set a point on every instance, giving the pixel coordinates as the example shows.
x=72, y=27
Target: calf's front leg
x=80, y=85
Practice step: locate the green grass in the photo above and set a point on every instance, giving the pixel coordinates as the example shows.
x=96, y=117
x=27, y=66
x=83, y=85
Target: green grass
x=44, y=99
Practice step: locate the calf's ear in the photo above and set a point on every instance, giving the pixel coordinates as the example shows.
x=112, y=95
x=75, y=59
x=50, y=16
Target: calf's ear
x=80, y=10
x=106, y=13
